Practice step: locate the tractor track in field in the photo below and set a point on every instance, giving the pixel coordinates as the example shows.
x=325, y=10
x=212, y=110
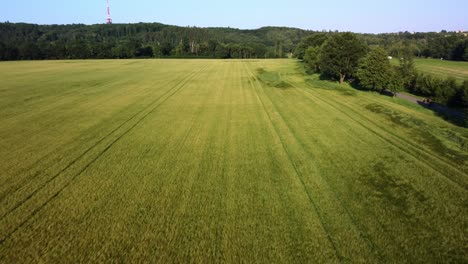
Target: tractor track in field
x=20, y=184
x=308, y=93
x=100, y=141
x=359, y=228
x=52, y=108
x=394, y=140
x=224, y=170
x=356, y=223
x=297, y=249
x=382, y=226
x=56, y=108
x=174, y=90
x=191, y=183
x=230, y=163
x=178, y=150
x=440, y=158
x=314, y=204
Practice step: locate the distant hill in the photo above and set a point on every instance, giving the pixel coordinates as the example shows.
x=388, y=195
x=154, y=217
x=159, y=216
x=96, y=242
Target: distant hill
x=29, y=41
x=20, y=41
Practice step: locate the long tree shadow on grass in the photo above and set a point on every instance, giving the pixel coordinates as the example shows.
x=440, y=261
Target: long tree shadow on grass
x=454, y=116
x=272, y=79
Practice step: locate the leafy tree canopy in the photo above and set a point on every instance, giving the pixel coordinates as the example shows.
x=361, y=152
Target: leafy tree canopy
x=341, y=54
x=375, y=71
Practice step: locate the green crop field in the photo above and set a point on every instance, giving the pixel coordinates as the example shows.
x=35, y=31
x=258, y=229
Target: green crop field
x=442, y=68
x=213, y=161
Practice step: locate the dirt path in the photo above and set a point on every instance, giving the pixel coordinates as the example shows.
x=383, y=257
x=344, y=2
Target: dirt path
x=438, y=108
x=409, y=98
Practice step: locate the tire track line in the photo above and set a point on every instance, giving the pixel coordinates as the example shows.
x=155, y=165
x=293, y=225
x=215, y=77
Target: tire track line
x=171, y=182
x=317, y=210
x=177, y=149
x=426, y=153
x=48, y=157
x=415, y=147
x=21, y=183
x=356, y=222
x=392, y=139
x=35, y=211
x=292, y=215
x=442, y=159
x=192, y=74
x=359, y=227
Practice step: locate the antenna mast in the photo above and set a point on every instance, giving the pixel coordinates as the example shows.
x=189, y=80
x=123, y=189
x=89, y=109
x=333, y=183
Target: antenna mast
x=109, y=19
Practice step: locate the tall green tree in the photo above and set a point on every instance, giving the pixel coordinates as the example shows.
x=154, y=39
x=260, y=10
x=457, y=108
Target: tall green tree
x=375, y=70
x=407, y=69
x=314, y=40
x=312, y=59
x=396, y=82
x=340, y=56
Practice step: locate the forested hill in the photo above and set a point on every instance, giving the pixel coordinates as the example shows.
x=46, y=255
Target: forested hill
x=28, y=41
x=19, y=41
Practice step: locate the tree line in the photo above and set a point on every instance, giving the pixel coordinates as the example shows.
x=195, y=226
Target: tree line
x=347, y=57
x=19, y=41
x=442, y=45
x=36, y=42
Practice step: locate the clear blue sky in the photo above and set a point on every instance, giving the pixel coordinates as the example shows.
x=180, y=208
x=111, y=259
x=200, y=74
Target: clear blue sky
x=359, y=16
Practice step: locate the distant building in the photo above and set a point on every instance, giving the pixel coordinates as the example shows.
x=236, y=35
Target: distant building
x=463, y=32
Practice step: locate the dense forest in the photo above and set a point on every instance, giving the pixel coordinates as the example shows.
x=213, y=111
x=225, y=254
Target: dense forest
x=20, y=41
x=31, y=42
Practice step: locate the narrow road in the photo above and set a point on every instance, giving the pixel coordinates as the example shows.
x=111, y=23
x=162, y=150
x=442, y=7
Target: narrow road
x=410, y=98
x=436, y=107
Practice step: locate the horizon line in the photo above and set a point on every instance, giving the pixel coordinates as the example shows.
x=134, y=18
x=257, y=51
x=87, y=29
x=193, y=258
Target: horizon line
x=238, y=28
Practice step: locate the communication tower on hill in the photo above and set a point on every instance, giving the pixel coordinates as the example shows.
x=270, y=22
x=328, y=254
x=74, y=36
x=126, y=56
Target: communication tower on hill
x=109, y=19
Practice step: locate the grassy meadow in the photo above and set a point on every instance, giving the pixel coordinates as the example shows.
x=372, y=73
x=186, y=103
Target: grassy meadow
x=209, y=161
x=442, y=68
